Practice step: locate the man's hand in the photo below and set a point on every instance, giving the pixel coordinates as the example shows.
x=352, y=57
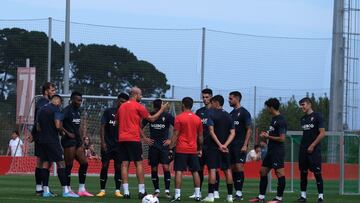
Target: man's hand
x=148, y=141
x=199, y=153
x=244, y=149
x=164, y=106
x=264, y=135
x=103, y=147
x=167, y=142
x=310, y=149
x=223, y=149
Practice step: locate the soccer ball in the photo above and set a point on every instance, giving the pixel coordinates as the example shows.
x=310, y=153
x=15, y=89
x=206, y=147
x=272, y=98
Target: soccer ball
x=150, y=199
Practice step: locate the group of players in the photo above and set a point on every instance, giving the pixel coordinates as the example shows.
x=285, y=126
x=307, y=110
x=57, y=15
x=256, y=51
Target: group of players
x=210, y=137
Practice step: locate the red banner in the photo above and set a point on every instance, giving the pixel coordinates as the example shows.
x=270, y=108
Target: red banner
x=25, y=93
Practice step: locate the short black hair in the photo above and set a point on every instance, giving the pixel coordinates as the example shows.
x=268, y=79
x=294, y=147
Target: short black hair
x=236, y=94
x=123, y=95
x=56, y=96
x=305, y=99
x=207, y=91
x=218, y=98
x=46, y=86
x=273, y=102
x=74, y=94
x=187, y=102
x=157, y=103
x=16, y=132
x=257, y=146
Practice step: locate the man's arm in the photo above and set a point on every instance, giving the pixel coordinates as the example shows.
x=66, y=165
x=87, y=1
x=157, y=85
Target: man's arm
x=102, y=138
x=213, y=135
x=317, y=140
x=230, y=137
x=247, y=139
x=200, y=141
x=174, y=139
x=281, y=137
x=152, y=118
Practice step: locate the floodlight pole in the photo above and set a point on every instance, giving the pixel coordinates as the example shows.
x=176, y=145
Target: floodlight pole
x=202, y=60
x=67, y=48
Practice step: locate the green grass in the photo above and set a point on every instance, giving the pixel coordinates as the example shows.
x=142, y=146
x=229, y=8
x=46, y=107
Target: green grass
x=21, y=189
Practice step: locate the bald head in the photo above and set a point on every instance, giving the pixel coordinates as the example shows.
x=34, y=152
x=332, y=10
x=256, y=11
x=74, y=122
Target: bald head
x=135, y=93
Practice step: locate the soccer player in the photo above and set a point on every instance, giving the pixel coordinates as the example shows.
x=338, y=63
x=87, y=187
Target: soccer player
x=239, y=146
x=203, y=114
x=159, y=149
x=48, y=90
x=188, y=139
x=221, y=129
x=310, y=148
x=109, y=146
x=48, y=125
x=72, y=142
x=274, y=158
x=130, y=114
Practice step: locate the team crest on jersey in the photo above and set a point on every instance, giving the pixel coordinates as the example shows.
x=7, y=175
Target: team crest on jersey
x=163, y=119
x=274, y=122
x=238, y=114
x=113, y=115
x=312, y=118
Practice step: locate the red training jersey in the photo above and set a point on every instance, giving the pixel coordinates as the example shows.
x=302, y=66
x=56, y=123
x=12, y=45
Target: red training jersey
x=130, y=115
x=189, y=125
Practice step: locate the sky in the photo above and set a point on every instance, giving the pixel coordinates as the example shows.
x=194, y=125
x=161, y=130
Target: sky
x=279, y=67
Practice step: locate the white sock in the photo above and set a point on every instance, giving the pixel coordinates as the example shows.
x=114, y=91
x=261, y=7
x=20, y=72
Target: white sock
x=157, y=190
x=167, y=191
x=81, y=187
x=239, y=193
x=65, y=189
x=142, y=188
x=115, y=190
x=321, y=196
x=177, y=193
x=39, y=187
x=261, y=196
x=46, y=189
x=197, y=192
x=211, y=195
x=229, y=197
x=303, y=194
x=126, y=188
x=278, y=198
x=102, y=190
x=69, y=188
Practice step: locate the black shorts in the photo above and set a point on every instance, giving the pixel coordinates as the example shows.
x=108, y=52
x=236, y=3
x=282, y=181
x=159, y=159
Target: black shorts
x=204, y=157
x=158, y=156
x=218, y=160
x=130, y=151
x=66, y=143
x=51, y=152
x=112, y=154
x=237, y=156
x=37, y=149
x=310, y=162
x=183, y=162
x=274, y=159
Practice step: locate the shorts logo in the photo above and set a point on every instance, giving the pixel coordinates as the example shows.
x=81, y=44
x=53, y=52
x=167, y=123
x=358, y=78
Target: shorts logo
x=204, y=121
x=275, y=164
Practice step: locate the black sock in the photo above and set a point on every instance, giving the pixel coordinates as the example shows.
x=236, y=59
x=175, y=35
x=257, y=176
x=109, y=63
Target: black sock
x=211, y=188
x=104, y=176
x=236, y=178
x=68, y=174
x=62, y=176
x=117, y=178
x=167, y=180
x=303, y=180
x=82, y=172
x=201, y=175
x=263, y=184
x=241, y=178
x=155, y=179
x=45, y=173
x=37, y=176
x=229, y=188
x=217, y=183
x=319, y=183
x=281, y=186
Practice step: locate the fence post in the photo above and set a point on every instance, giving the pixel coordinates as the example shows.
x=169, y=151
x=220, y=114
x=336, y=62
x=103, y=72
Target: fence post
x=49, y=50
x=202, y=60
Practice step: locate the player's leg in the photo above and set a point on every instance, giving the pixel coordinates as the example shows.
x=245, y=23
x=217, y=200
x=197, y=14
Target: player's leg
x=38, y=181
x=43, y=171
x=69, y=156
x=83, y=162
x=217, y=183
x=238, y=159
x=164, y=160
x=303, y=168
x=278, y=165
x=105, y=162
x=315, y=167
x=264, y=170
x=229, y=184
x=180, y=164
x=178, y=177
x=213, y=164
x=135, y=155
x=154, y=158
x=117, y=169
x=194, y=166
x=125, y=161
